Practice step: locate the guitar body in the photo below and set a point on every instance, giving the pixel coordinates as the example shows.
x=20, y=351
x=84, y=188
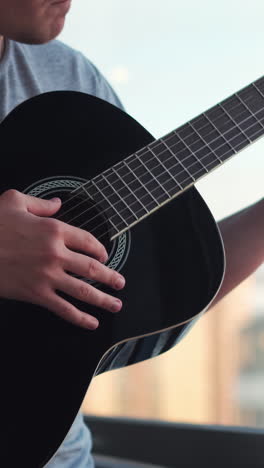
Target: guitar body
x=173, y=262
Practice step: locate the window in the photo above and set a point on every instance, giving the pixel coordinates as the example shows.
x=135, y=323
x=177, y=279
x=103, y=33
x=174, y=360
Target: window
x=169, y=62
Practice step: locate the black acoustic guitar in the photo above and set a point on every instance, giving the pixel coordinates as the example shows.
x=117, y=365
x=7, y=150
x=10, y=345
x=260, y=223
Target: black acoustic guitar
x=137, y=196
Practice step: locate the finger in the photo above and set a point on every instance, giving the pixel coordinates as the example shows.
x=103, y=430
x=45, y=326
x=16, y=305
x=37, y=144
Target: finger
x=69, y=312
x=85, y=292
x=34, y=205
x=92, y=269
x=78, y=239
x=42, y=207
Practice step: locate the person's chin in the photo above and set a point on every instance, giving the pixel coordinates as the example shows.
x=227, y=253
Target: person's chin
x=52, y=32
x=42, y=36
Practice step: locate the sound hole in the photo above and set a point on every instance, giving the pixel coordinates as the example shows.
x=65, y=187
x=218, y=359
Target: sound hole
x=80, y=212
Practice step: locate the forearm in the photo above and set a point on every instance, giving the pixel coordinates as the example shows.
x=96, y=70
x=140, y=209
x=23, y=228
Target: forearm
x=243, y=237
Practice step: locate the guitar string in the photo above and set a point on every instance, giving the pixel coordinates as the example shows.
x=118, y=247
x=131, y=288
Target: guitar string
x=147, y=152
x=157, y=142
x=156, y=200
x=133, y=214
x=177, y=162
x=122, y=227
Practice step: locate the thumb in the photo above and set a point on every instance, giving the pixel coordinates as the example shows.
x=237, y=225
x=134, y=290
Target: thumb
x=42, y=207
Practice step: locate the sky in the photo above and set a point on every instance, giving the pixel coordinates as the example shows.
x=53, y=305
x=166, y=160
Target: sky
x=171, y=60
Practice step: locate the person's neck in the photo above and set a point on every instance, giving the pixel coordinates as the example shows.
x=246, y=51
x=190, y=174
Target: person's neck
x=1, y=47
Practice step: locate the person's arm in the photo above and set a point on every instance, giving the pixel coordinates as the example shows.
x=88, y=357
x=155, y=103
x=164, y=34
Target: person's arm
x=243, y=237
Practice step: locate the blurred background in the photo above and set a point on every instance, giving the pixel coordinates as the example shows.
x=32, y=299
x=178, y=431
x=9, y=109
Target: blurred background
x=168, y=62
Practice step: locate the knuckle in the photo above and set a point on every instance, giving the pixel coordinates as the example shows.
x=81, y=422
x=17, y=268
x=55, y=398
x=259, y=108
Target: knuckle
x=68, y=311
x=98, y=248
x=114, y=279
x=12, y=194
x=93, y=269
x=49, y=274
x=80, y=320
x=82, y=243
x=88, y=237
x=37, y=291
x=85, y=292
x=53, y=226
x=105, y=301
x=53, y=254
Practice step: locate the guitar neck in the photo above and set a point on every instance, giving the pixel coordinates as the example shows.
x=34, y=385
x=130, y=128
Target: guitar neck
x=144, y=181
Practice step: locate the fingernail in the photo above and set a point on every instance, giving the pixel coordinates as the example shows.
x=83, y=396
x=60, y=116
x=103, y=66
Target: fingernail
x=55, y=199
x=104, y=258
x=94, y=323
x=120, y=282
x=116, y=306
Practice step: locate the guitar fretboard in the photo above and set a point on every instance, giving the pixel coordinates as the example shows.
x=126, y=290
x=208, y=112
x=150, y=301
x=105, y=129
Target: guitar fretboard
x=141, y=183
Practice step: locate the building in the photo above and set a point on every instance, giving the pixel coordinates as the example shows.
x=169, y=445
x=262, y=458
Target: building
x=249, y=392
x=196, y=381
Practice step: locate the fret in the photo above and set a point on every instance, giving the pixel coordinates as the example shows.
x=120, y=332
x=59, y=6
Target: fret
x=191, y=159
x=128, y=196
x=254, y=102
x=121, y=205
x=253, y=127
x=259, y=84
x=216, y=140
x=236, y=135
x=242, y=117
x=189, y=138
x=257, y=89
x=136, y=186
x=237, y=113
x=150, y=182
x=84, y=188
x=174, y=157
x=109, y=195
x=252, y=98
x=163, y=158
x=170, y=167
x=210, y=144
x=177, y=146
x=184, y=166
x=104, y=208
x=195, y=165
x=260, y=112
x=220, y=120
x=199, y=152
x=141, y=183
x=225, y=144
x=154, y=168
x=207, y=130
x=149, y=199
x=164, y=165
x=208, y=160
x=115, y=216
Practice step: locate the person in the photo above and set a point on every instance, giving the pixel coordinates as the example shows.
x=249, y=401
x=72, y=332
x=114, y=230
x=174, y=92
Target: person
x=33, y=62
